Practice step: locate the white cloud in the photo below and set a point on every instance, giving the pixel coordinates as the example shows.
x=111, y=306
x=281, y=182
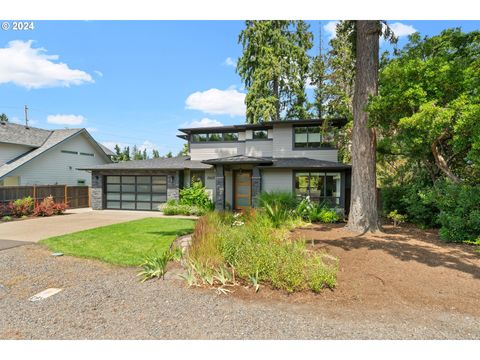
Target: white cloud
x=63, y=119
x=98, y=72
x=401, y=30
x=230, y=62
x=205, y=122
x=215, y=101
x=31, y=68
x=331, y=28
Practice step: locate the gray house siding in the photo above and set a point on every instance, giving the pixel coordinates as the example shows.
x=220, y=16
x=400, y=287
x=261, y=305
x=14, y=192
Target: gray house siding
x=210, y=150
x=258, y=148
x=283, y=146
x=277, y=180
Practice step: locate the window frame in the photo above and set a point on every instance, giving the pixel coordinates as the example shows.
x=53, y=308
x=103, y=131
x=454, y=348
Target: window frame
x=207, y=137
x=265, y=131
x=338, y=200
x=323, y=145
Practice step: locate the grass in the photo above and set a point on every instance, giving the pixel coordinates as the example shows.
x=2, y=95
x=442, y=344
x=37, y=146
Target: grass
x=126, y=243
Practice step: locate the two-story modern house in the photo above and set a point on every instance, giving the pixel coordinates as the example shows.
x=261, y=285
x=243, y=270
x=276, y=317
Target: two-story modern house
x=235, y=163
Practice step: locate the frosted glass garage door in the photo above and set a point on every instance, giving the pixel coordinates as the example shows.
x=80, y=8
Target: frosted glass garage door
x=130, y=192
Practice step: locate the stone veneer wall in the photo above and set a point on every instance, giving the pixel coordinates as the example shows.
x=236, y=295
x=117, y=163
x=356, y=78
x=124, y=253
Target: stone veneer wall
x=97, y=191
x=173, y=183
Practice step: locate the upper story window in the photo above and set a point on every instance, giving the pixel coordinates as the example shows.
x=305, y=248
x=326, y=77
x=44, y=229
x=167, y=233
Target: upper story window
x=215, y=137
x=260, y=134
x=231, y=136
x=312, y=137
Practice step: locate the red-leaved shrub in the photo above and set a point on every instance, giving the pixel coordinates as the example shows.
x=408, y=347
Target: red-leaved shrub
x=48, y=207
x=21, y=207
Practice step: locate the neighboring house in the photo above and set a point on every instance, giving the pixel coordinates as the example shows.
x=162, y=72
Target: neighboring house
x=235, y=163
x=33, y=156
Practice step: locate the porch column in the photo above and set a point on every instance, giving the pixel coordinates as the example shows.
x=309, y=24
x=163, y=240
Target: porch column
x=219, y=188
x=256, y=185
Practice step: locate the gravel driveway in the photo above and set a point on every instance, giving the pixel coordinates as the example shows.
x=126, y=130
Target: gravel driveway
x=100, y=301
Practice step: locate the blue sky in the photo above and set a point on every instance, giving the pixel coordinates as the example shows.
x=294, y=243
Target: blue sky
x=136, y=82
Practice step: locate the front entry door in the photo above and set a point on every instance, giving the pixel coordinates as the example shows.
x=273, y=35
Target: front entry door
x=242, y=190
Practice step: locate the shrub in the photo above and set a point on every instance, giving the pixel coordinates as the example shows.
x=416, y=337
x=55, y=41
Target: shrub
x=172, y=207
x=7, y=218
x=255, y=252
x=391, y=197
x=396, y=217
x=454, y=208
x=196, y=195
x=283, y=199
x=459, y=206
x=279, y=206
x=21, y=207
x=314, y=212
x=420, y=206
x=48, y=207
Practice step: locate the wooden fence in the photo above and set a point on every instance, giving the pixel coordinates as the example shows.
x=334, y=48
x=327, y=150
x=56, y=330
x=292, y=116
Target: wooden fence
x=75, y=196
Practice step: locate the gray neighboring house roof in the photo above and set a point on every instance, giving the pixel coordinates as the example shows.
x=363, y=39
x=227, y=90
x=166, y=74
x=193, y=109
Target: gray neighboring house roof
x=40, y=139
x=20, y=135
x=106, y=150
x=173, y=163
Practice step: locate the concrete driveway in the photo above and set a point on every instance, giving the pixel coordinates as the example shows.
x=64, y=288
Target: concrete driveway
x=22, y=232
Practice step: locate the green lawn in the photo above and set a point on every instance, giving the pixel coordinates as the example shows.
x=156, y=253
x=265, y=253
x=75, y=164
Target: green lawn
x=123, y=244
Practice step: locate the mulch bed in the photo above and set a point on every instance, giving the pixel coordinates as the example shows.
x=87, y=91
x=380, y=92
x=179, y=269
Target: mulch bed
x=400, y=268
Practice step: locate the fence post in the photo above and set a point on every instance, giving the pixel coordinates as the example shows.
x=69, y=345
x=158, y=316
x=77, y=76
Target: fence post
x=89, y=197
x=65, y=197
x=34, y=195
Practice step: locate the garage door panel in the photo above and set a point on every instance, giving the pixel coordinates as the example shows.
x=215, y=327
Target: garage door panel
x=136, y=192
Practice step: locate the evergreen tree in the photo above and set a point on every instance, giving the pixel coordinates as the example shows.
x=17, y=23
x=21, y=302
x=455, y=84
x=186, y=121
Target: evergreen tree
x=144, y=154
x=155, y=154
x=3, y=118
x=184, y=151
x=126, y=153
x=274, y=68
x=169, y=154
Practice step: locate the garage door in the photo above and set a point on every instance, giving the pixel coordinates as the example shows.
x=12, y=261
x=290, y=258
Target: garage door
x=136, y=192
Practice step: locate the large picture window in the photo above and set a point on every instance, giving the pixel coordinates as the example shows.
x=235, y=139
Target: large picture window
x=136, y=192
x=214, y=137
x=260, y=134
x=319, y=186
x=312, y=137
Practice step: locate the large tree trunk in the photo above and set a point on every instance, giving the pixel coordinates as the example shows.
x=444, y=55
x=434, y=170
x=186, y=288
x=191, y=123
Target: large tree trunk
x=363, y=215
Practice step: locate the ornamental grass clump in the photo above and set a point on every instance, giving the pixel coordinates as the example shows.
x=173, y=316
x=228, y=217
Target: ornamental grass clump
x=249, y=248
